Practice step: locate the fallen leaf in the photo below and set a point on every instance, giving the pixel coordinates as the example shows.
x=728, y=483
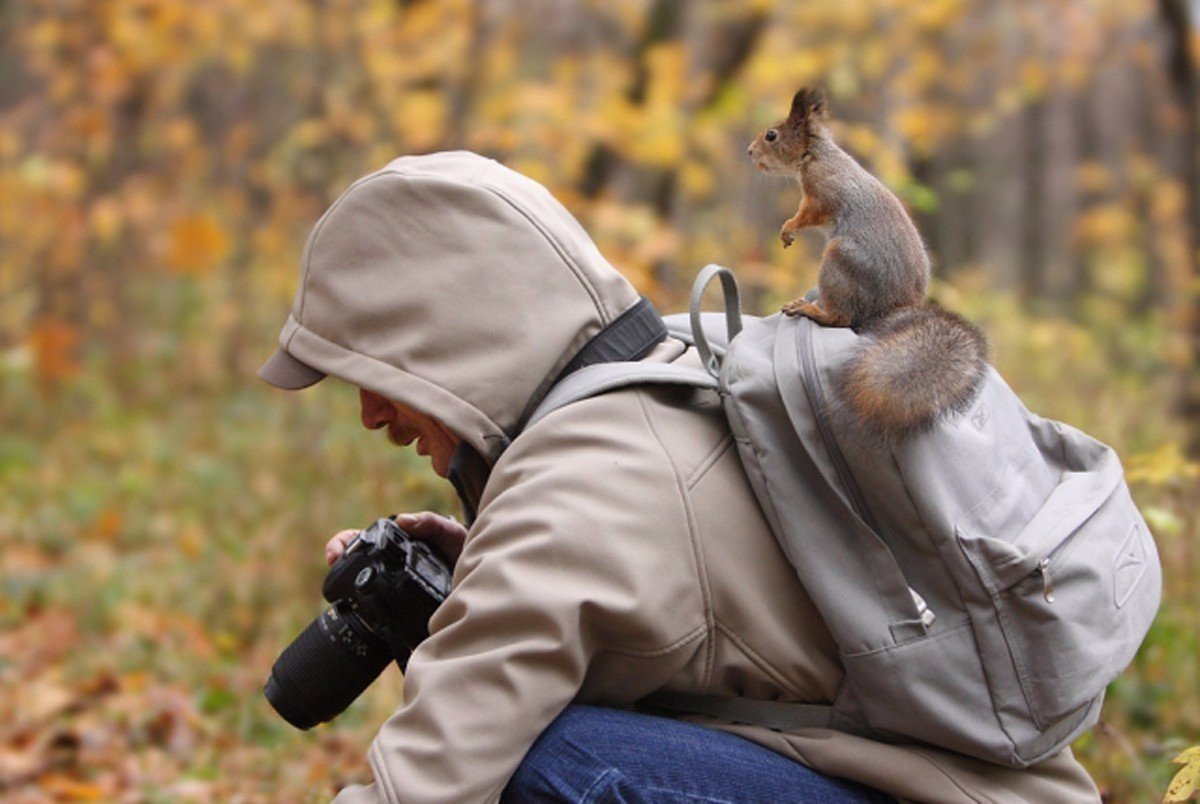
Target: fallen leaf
x=68, y=789
x=1186, y=783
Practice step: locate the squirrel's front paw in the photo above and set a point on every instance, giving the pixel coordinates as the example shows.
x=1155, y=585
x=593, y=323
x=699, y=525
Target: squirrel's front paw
x=787, y=236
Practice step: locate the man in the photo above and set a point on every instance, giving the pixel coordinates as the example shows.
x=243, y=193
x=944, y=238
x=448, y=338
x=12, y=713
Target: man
x=615, y=548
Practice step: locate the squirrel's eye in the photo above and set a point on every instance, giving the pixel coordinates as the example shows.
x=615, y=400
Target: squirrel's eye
x=771, y=135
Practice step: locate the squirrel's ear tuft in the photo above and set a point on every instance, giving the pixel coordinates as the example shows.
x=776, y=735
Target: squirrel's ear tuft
x=807, y=104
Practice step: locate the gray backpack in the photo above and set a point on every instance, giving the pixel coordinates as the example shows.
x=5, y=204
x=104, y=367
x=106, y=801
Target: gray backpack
x=984, y=580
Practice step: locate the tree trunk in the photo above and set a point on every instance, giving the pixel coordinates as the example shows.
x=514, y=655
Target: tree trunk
x=1181, y=70
x=1088, y=146
x=1033, y=202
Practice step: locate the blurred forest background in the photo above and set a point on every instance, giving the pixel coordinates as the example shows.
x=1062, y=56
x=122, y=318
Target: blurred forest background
x=161, y=162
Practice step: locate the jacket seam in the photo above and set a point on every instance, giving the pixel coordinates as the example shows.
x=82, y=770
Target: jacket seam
x=697, y=551
x=320, y=227
x=379, y=767
x=950, y=778
x=576, y=270
x=477, y=179
x=779, y=677
x=709, y=461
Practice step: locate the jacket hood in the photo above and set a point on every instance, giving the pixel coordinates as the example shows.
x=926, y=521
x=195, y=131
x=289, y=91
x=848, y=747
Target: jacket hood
x=449, y=284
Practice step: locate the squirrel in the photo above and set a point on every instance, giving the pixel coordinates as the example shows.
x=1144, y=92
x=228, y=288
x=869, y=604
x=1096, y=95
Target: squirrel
x=919, y=363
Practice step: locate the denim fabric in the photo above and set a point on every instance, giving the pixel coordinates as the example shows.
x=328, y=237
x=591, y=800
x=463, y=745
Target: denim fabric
x=590, y=754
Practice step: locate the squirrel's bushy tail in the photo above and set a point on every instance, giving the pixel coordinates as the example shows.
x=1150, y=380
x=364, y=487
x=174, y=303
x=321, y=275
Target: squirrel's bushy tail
x=918, y=365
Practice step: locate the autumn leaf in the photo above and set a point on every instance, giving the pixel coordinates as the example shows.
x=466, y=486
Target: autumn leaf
x=420, y=117
x=66, y=788
x=1105, y=225
x=1162, y=466
x=54, y=343
x=1186, y=784
x=108, y=525
x=197, y=244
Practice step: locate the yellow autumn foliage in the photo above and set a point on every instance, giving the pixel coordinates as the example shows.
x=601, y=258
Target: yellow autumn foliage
x=161, y=164
x=197, y=243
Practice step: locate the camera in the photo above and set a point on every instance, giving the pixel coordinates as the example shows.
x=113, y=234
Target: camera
x=382, y=592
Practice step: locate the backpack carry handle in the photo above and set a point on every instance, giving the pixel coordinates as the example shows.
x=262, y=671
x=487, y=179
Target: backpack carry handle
x=733, y=312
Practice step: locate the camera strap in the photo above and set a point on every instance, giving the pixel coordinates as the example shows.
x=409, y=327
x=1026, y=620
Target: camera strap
x=628, y=337
x=468, y=473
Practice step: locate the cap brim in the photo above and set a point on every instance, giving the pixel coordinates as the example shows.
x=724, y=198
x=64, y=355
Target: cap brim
x=284, y=371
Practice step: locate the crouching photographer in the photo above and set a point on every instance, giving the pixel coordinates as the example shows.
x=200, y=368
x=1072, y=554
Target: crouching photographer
x=613, y=551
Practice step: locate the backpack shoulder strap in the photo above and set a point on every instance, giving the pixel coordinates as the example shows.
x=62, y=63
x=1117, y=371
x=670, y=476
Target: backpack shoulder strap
x=593, y=380
x=696, y=329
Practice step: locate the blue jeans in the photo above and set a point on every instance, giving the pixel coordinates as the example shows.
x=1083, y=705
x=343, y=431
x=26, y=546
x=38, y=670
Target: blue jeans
x=591, y=754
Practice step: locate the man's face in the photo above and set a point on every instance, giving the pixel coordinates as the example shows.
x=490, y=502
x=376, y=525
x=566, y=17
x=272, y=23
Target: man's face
x=405, y=425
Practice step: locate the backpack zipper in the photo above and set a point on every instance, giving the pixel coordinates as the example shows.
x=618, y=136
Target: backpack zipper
x=816, y=401
x=1043, y=568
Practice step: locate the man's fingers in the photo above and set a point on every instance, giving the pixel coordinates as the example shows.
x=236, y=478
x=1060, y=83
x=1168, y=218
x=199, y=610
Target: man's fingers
x=444, y=533
x=337, y=545
x=428, y=522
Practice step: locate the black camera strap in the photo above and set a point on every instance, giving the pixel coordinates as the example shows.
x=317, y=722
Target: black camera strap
x=630, y=336
x=468, y=473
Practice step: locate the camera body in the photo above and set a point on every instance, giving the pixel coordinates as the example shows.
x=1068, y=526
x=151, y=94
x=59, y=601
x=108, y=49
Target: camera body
x=382, y=592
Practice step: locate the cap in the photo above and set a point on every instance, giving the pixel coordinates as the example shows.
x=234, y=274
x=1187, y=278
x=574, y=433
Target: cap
x=286, y=372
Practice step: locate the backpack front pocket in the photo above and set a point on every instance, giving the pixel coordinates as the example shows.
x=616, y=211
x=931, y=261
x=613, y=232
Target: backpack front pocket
x=1074, y=587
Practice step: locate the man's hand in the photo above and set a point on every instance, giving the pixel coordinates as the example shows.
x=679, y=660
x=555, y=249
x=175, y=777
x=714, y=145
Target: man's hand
x=337, y=545
x=442, y=532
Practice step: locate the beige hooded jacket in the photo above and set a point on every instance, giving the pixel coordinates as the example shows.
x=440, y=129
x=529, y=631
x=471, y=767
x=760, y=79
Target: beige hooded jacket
x=618, y=549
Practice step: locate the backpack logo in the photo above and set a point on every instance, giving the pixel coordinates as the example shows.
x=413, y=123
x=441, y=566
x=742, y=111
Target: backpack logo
x=1131, y=565
x=980, y=417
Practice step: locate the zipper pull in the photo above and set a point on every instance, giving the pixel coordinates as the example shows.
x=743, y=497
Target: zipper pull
x=1047, y=581
x=926, y=614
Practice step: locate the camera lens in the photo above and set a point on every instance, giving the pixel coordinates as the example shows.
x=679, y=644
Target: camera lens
x=325, y=668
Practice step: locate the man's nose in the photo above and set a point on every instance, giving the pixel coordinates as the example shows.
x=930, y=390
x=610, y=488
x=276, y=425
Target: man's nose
x=376, y=411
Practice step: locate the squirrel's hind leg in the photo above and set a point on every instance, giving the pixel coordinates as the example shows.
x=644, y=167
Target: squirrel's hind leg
x=847, y=292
